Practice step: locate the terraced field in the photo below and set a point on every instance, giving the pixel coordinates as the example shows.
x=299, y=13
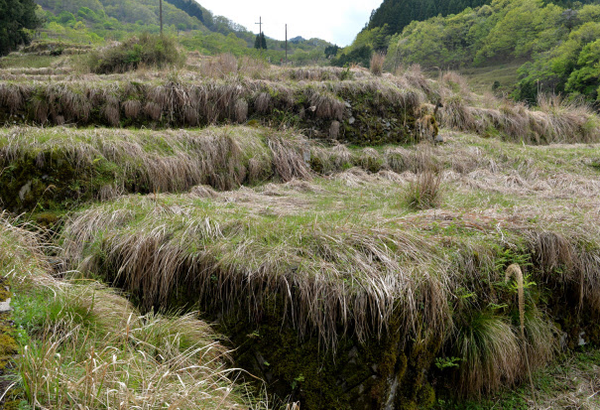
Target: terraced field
x=344, y=260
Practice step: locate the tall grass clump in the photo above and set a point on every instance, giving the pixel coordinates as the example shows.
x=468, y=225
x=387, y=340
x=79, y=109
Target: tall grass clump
x=376, y=65
x=424, y=192
x=490, y=353
x=146, y=50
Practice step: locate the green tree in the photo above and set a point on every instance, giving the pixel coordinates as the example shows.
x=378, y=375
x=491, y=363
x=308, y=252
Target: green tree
x=260, y=42
x=331, y=51
x=16, y=17
x=586, y=77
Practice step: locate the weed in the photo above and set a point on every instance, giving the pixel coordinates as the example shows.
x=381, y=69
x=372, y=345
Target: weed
x=424, y=192
x=376, y=65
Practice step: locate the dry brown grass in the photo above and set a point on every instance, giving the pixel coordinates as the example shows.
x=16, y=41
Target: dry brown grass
x=218, y=89
x=425, y=192
x=376, y=64
x=323, y=293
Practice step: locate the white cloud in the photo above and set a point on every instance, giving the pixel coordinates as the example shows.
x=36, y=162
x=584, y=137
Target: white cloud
x=335, y=21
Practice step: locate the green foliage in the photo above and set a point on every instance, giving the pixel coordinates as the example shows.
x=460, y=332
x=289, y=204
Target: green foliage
x=331, y=51
x=570, y=67
x=397, y=14
x=447, y=362
x=522, y=28
x=366, y=42
x=554, y=40
x=16, y=17
x=148, y=50
x=360, y=55
x=260, y=43
x=586, y=76
x=190, y=7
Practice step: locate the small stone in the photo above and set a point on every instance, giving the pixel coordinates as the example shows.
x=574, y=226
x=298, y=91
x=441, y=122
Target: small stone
x=580, y=342
x=5, y=306
x=351, y=120
x=25, y=189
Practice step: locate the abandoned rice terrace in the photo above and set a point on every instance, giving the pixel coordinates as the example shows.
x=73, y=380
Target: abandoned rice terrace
x=239, y=235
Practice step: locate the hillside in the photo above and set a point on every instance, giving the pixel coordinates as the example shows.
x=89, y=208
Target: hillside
x=97, y=21
x=556, y=48
x=536, y=47
x=344, y=259
x=394, y=15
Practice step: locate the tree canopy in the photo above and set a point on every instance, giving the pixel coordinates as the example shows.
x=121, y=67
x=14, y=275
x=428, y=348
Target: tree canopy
x=16, y=17
x=561, y=47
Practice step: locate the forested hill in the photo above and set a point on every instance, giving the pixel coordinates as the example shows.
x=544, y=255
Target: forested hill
x=398, y=14
x=183, y=14
x=196, y=28
x=559, y=48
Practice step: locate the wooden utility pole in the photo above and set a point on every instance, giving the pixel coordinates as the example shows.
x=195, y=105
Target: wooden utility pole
x=161, y=21
x=286, y=55
x=259, y=26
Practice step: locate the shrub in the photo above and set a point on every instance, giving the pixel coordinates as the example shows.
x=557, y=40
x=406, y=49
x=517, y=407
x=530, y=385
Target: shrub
x=148, y=50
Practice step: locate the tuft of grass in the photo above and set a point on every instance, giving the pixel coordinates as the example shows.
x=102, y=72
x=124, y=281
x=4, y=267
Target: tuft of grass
x=424, y=192
x=376, y=64
x=490, y=353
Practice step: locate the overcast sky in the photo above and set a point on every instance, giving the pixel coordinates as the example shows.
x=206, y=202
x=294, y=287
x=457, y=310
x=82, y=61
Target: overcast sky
x=337, y=21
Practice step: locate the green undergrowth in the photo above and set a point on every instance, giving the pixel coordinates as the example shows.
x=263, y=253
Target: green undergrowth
x=398, y=303
x=81, y=344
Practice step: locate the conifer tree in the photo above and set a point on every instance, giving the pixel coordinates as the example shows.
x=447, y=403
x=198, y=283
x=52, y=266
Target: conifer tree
x=260, y=42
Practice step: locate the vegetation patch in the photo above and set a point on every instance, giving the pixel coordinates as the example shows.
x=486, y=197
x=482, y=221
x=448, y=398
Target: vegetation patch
x=370, y=111
x=146, y=50
x=57, y=169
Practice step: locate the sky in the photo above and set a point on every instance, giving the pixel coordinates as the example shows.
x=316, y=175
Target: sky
x=337, y=21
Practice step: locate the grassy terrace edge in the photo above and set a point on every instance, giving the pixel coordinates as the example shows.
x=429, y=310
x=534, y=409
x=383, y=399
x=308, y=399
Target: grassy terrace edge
x=386, y=299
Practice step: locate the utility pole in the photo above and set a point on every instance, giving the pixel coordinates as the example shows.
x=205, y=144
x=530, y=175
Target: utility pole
x=161, y=20
x=286, y=55
x=259, y=26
